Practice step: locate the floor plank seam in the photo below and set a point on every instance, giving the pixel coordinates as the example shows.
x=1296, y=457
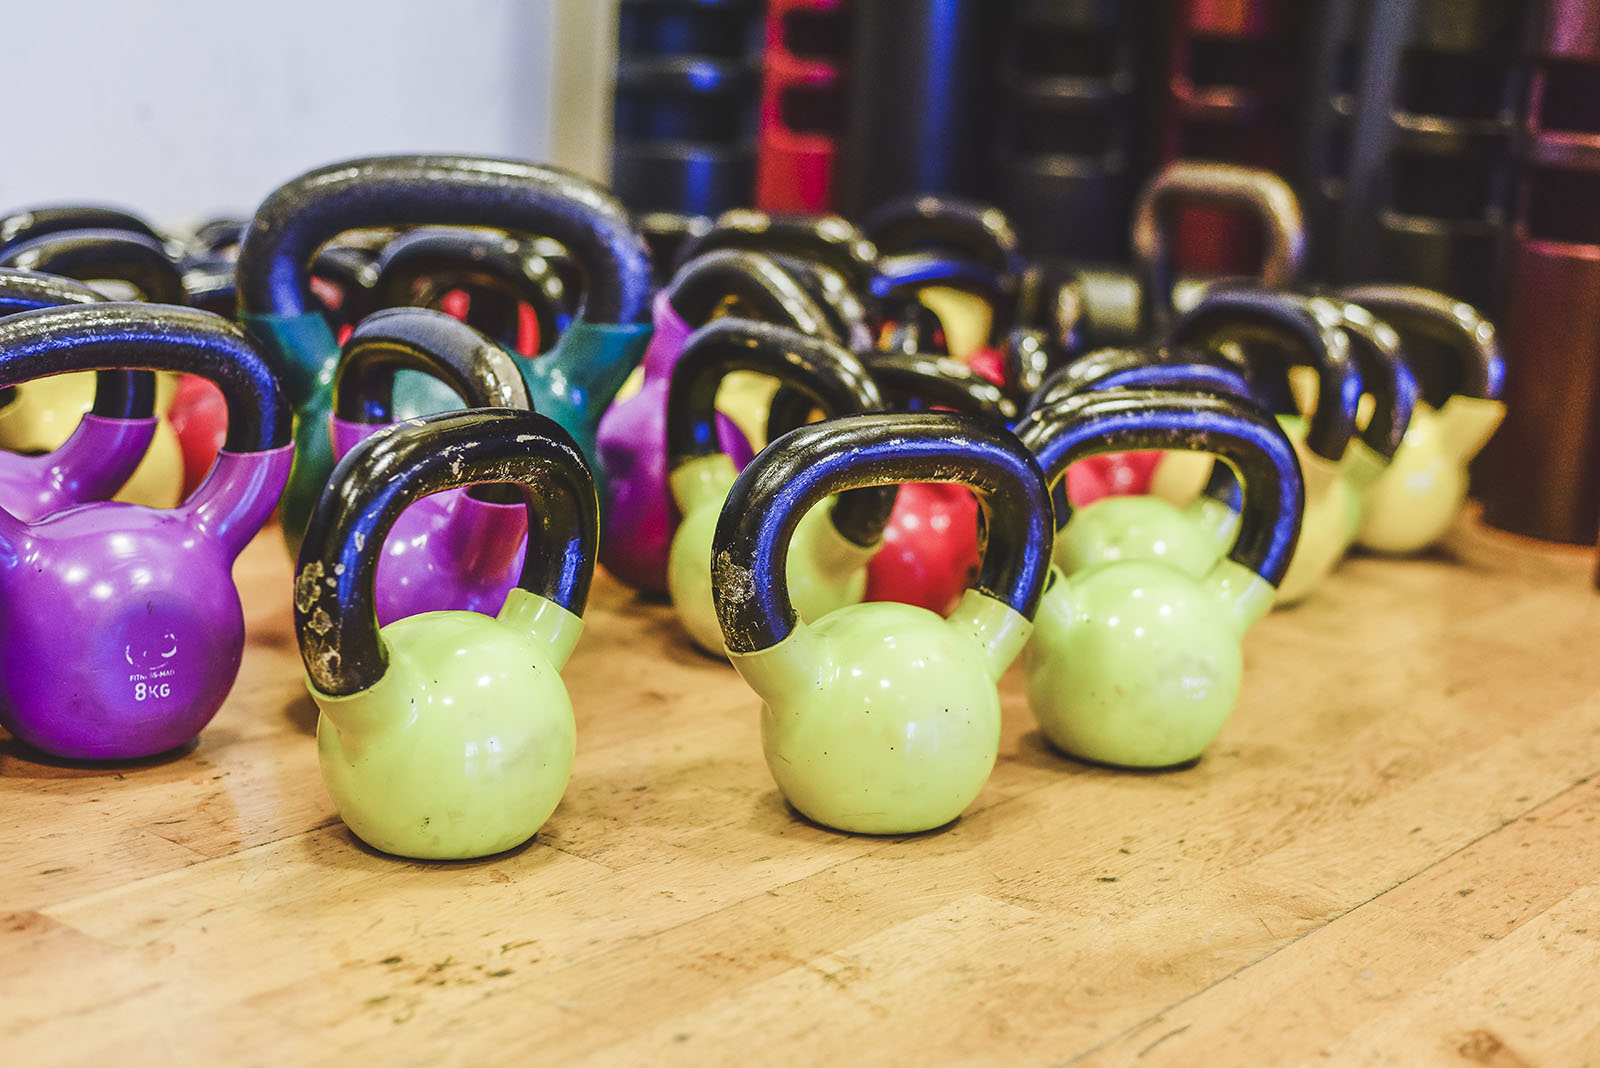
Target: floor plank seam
x=1141, y=1025
x=774, y=890
x=204, y=860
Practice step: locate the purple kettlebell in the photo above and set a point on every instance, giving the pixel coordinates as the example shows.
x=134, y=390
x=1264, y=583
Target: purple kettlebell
x=458, y=550
x=641, y=517
x=109, y=441
x=122, y=632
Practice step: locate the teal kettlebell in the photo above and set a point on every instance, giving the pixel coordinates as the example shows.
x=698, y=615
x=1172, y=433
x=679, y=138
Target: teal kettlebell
x=572, y=384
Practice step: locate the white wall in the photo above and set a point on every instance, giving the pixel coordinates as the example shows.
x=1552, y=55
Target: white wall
x=184, y=108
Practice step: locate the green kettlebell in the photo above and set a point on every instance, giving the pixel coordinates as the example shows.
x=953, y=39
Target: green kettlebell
x=1388, y=402
x=880, y=718
x=1277, y=331
x=447, y=734
x=1142, y=526
x=1410, y=504
x=1136, y=663
x=832, y=546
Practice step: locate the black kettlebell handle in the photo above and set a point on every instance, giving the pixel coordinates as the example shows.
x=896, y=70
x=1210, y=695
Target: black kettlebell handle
x=220, y=237
x=826, y=374
x=1143, y=368
x=750, y=550
x=496, y=269
x=1296, y=330
x=842, y=309
x=442, y=190
x=141, y=261
x=1432, y=315
x=479, y=371
x=1249, y=440
x=906, y=381
x=31, y=223
x=756, y=286
x=152, y=337
x=829, y=240
x=943, y=225
x=938, y=381
x=335, y=612
x=386, y=342
x=1376, y=351
x=117, y=394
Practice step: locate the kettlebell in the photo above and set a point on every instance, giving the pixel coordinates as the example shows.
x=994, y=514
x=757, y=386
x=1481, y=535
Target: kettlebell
x=1126, y=474
x=29, y=223
x=572, y=384
x=508, y=286
x=1126, y=526
x=47, y=410
x=961, y=258
x=110, y=440
x=930, y=552
x=133, y=609
x=342, y=281
x=831, y=260
x=1187, y=183
x=632, y=441
x=959, y=296
x=217, y=238
x=1411, y=503
x=1136, y=662
x=828, y=241
x=833, y=546
x=665, y=234
x=880, y=718
x=1388, y=402
x=457, y=550
x=1277, y=331
x=448, y=734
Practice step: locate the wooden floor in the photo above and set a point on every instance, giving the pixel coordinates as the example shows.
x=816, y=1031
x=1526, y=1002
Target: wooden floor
x=1392, y=855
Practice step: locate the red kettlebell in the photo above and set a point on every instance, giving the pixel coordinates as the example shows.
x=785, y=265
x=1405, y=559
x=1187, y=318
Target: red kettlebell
x=507, y=287
x=930, y=549
x=1022, y=364
x=960, y=258
x=199, y=416
x=130, y=263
